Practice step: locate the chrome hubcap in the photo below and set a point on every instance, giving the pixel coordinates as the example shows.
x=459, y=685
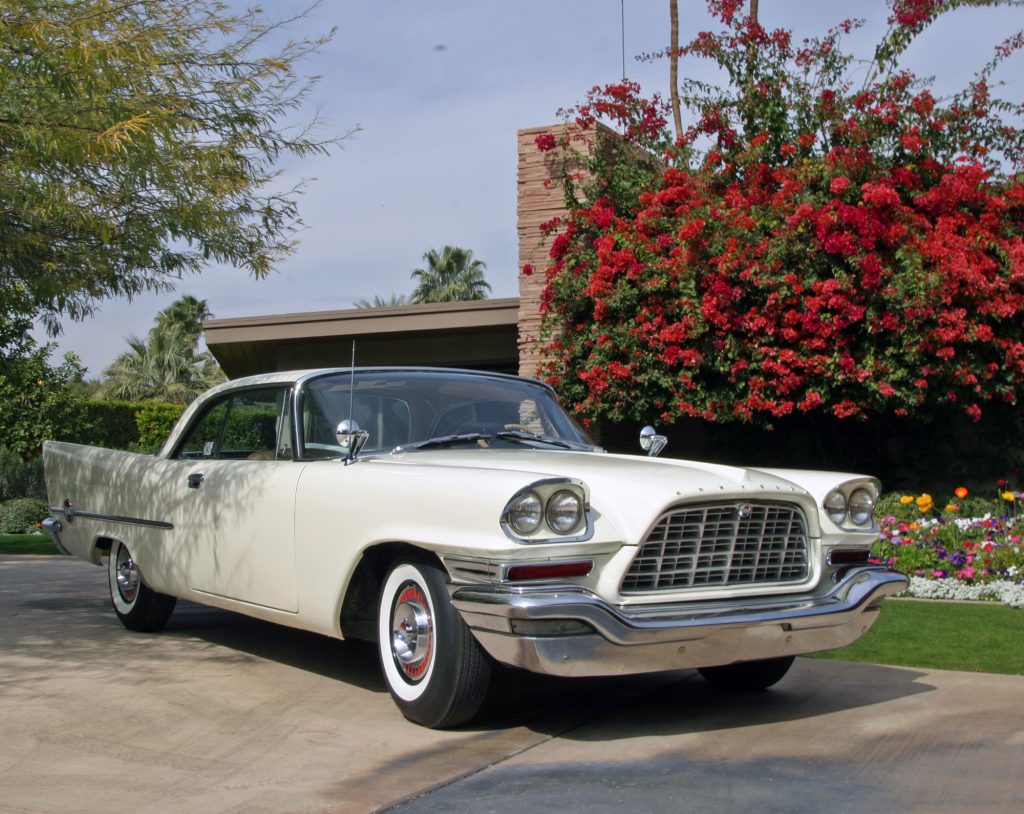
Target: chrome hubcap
x=412, y=632
x=127, y=574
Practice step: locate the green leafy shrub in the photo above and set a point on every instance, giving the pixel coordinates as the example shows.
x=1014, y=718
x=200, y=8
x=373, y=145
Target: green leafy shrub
x=20, y=478
x=155, y=420
x=19, y=516
x=109, y=424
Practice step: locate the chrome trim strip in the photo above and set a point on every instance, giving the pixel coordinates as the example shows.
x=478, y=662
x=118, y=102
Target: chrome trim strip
x=114, y=518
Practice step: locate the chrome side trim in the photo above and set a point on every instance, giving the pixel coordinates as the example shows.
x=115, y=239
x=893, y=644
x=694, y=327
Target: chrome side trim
x=113, y=518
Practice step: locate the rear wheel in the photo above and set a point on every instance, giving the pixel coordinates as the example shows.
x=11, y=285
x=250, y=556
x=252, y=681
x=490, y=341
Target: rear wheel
x=748, y=676
x=138, y=606
x=435, y=670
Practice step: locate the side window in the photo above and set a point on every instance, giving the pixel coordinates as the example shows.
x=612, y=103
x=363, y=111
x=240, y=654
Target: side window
x=204, y=439
x=251, y=425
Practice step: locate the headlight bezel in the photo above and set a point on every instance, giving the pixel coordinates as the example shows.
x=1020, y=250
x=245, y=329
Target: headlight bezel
x=549, y=530
x=851, y=505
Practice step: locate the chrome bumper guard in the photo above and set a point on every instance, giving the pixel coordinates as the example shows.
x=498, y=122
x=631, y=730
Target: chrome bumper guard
x=54, y=527
x=582, y=635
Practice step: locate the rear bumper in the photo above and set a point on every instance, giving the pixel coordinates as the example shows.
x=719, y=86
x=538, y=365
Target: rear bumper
x=650, y=638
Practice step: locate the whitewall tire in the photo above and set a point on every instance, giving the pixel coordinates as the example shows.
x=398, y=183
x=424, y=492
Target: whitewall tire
x=435, y=670
x=138, y=606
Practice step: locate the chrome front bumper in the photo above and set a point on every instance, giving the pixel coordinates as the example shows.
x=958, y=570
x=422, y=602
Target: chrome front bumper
x=650, y=638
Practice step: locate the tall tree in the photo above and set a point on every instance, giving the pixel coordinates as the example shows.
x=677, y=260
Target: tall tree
x=452, y=274
x=673, y=66
x=187, y=313
x=138, y=141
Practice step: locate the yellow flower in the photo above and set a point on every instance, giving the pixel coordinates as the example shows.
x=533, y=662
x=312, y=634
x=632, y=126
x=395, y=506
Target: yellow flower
x=952, y=507
x=1007, y=496
x=925, y=503
x=906, y=500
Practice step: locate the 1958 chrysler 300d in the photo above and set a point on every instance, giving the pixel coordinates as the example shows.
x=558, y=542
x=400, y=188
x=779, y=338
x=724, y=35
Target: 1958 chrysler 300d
x=458, y=518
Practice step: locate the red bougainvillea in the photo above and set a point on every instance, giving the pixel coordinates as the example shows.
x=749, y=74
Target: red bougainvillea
x=805, y=247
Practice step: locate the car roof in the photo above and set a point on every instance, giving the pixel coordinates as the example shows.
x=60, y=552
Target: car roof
x=296, y=376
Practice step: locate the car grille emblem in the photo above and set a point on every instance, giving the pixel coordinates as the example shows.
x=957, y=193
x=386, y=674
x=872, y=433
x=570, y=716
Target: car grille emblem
x=744, y=510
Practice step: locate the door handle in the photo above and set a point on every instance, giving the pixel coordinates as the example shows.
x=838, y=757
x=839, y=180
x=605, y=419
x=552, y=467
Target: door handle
x=195, y=480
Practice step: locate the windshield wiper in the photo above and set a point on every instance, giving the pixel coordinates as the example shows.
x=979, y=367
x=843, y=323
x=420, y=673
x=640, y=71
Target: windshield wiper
x=443, y=441
x=517, y=436
x=529, y=437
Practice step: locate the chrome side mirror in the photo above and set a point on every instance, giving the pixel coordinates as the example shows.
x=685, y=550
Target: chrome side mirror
x=651, y=442
x=351, y=438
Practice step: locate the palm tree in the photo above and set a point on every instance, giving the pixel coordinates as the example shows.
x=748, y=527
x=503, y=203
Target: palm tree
x=164, y=366
x=380, y=302
x=187, y=312
x=451, y=275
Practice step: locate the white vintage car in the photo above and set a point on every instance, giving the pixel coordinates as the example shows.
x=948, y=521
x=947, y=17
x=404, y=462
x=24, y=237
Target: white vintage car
x=459, y=517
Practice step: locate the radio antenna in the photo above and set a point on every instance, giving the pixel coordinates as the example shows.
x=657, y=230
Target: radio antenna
x=350, y=422
x=352, y=383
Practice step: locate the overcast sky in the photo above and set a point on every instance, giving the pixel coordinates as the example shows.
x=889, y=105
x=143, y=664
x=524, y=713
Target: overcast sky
x=439, y=89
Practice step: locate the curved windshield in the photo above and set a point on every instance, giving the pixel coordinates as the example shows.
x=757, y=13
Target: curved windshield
x=408, y=410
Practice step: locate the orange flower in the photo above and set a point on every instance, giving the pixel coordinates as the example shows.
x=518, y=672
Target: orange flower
x=925, y=503
x=952, y=507
x=906, y=500
x=961, y=492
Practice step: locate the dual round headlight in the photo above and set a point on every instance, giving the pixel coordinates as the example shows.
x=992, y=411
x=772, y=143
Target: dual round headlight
x=563, y=512
x=858, y=508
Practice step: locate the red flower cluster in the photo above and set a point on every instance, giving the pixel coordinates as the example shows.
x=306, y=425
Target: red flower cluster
x=863, y=256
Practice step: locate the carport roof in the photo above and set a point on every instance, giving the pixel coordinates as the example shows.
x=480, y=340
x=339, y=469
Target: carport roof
x=476, y=334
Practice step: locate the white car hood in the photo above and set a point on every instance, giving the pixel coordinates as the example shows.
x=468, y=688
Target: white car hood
x=630, y=491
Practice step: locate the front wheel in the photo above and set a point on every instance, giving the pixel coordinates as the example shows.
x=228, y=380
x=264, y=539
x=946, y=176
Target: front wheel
x=435, y=670
x=748, y=676
x=138, y=606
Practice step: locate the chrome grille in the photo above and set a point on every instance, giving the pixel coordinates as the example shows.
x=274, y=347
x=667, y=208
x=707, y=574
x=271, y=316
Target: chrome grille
x=722, y=544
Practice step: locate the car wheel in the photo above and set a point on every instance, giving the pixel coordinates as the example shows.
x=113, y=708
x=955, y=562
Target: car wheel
x=138, y=606
x=748, y=676
x=435, y=670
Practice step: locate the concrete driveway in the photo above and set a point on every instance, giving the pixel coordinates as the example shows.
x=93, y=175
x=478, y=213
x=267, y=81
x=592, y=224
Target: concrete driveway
x=225, y=714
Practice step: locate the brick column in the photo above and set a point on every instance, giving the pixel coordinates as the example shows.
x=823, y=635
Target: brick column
x=541, y=197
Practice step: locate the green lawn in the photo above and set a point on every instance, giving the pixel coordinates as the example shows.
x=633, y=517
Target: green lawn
x=979, y=638
x=27, y=544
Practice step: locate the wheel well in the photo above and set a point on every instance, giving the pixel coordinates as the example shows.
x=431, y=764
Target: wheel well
x=101, y=547
x=359, y=609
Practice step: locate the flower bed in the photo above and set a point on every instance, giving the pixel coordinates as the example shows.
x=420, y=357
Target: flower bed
x=968, y=548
